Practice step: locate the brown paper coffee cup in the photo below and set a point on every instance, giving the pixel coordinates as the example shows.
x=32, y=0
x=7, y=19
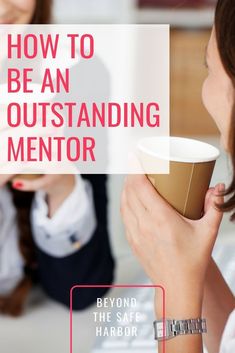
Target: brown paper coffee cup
x=191, y=167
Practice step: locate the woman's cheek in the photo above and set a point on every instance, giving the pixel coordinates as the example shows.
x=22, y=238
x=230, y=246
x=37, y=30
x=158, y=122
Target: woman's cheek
x=207, y=97
x=210, y=100
x=216, y=106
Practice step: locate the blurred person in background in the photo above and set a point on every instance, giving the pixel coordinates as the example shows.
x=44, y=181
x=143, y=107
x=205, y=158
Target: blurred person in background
x=53, y=228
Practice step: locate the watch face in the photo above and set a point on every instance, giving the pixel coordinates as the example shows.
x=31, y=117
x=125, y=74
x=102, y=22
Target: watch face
x=160, y=333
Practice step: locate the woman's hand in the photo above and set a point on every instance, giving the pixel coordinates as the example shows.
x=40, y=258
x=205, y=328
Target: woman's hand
x=174, y=251
x=57, y=187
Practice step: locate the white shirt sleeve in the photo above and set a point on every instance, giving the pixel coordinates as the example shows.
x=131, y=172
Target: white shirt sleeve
x=228, y=339
x=71, y=227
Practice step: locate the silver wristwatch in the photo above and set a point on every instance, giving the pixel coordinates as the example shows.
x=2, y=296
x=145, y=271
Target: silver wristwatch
x=175, y=328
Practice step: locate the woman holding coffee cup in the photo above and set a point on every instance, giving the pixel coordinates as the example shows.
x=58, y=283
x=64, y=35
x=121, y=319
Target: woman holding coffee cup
x=175, y=251
x=53, y=228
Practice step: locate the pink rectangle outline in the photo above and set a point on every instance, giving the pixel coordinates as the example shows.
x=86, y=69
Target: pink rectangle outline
x=117, y=286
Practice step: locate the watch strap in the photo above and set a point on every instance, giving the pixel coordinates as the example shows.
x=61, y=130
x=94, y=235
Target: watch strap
x=175, y=328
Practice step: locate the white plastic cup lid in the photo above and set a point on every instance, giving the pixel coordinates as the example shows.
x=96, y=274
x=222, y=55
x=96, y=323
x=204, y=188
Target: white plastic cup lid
x=178, y=149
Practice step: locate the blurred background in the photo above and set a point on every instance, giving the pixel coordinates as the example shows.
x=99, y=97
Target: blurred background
x=46, y=325
x=190, y=21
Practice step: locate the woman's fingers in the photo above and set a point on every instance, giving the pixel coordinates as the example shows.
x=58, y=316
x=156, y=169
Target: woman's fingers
x=131, y=223
x=209, y=194
x=134, y=204
x=147, y=195
x=214, y=215
x=129, y=219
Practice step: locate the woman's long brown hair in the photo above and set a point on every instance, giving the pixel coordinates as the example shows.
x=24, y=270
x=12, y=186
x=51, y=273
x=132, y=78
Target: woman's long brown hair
x=13, y=304
x=225, y=35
